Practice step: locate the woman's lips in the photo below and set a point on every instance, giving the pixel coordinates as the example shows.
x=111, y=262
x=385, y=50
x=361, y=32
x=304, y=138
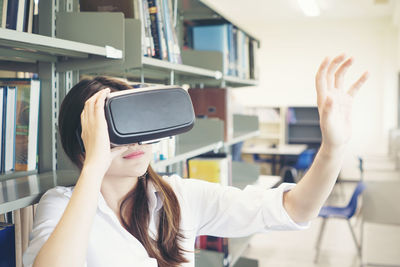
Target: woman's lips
x=133, y=155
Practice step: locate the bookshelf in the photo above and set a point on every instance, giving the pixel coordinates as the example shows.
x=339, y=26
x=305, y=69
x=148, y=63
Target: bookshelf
x=272, y=125
x=72, y=43
x=303, y=126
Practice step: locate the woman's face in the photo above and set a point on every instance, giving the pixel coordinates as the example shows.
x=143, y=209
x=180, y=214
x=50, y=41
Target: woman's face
x=133, y=162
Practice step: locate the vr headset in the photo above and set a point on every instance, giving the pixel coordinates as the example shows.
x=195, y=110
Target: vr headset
x=147, y=115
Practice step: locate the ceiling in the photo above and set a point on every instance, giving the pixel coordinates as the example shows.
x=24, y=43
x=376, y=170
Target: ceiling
x=255, y=12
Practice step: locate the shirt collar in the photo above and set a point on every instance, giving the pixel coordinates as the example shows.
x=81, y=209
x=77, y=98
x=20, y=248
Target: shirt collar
x=156, y=198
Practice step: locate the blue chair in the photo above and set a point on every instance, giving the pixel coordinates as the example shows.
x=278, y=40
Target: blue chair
x=304, y=161
x=346, y=213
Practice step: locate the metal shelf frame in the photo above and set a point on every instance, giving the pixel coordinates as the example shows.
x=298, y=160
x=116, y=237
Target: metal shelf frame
x=59, y=61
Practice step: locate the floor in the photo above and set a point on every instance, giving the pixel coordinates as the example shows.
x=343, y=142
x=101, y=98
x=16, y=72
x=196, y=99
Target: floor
x=381, y=246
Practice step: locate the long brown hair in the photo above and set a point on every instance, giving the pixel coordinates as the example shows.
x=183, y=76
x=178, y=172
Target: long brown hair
x=134, y=209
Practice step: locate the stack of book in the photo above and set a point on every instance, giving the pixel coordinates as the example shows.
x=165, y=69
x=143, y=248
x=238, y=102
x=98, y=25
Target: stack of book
x=19, y=121
x=214, y=168
x=20, y=15
x=158, y=33
x=7, y=244
x=238, y=49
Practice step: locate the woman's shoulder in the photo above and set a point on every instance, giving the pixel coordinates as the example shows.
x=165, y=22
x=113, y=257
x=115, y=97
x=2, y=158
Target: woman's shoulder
x=57, y=193
x=186, y=186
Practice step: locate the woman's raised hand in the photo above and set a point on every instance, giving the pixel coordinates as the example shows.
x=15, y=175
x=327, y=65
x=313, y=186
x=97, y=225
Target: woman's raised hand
x=95, y=133
x=334, y=101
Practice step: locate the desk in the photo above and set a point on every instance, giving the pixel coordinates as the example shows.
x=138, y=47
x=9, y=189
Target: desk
x=382, y=176
x=381, y=206
x=281, y=151
x=381, y=202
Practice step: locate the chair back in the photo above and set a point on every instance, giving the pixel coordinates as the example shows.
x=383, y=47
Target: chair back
x=354, y=198
x=305, y=159
x=361, y=167
x=289, y=174
x=237, y=151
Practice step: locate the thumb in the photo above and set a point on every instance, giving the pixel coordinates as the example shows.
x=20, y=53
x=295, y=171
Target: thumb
x=118, y=151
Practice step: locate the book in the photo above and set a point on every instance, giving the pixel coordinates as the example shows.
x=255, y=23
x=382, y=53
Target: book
x=3, y=12
x=214, y=243
x=214, y=103
x=35, y=19
x=162, y=30
x=146, y=48
x=155, y=28
x=7, y=244
x=232, y=48
x=28, y=18
x=176, y=49
x=214, y=170
x=212, y=38
x=9, y=118
x=146, y=21
x=253, y=56
x=21, y=14
x=2, y=106
x=12, y=14
x=27, y=122
x=167, y=22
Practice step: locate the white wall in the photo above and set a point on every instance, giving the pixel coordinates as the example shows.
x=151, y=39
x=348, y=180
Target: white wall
x=292, y=51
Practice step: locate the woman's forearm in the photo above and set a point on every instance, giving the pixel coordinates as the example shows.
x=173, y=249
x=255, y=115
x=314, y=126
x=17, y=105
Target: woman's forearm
x=304, y=201
x=67, y=245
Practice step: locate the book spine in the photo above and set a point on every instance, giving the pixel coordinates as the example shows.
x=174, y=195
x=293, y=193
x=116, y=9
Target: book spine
x=33, y=132
x=12, y=14
x=176, y=49
x=9, y=161
x=2, y=124
x=21, y=15
x=29, y=17
x=2, y=13
x=145, y=38
x=35, y=18
x=155, y=30
x=162, y=30
x=168, y=30
x=148, y=28
x=25, y=20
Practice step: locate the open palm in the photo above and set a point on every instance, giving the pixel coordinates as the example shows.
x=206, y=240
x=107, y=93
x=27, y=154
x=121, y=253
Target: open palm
x=334, y=101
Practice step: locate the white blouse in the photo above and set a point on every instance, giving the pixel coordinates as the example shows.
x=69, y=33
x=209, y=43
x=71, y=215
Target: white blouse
x=206, y=209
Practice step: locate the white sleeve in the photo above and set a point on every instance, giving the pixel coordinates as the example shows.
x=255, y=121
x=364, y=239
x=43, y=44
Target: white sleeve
x=230, y=212
x=48, y=212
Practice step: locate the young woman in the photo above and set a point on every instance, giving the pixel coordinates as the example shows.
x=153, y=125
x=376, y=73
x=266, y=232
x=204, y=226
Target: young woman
x=121, y=213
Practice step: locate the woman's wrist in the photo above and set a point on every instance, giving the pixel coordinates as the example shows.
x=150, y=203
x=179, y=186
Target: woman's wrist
x=93, y=170
x=328, y=150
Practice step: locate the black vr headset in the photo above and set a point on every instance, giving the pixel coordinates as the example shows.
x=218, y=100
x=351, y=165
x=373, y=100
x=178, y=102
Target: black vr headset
x=147, y=115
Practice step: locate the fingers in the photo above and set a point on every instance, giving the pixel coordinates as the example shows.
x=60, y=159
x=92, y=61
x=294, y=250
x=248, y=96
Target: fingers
x=95, y=103
x=320, y=80
x=93, y=106
x=357, y=85
x=332, y=69
x=339, y=75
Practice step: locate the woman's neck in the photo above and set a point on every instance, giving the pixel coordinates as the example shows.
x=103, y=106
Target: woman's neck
x=115, y=188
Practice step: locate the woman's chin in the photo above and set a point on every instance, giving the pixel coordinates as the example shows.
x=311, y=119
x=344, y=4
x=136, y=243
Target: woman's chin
x=126, y=172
